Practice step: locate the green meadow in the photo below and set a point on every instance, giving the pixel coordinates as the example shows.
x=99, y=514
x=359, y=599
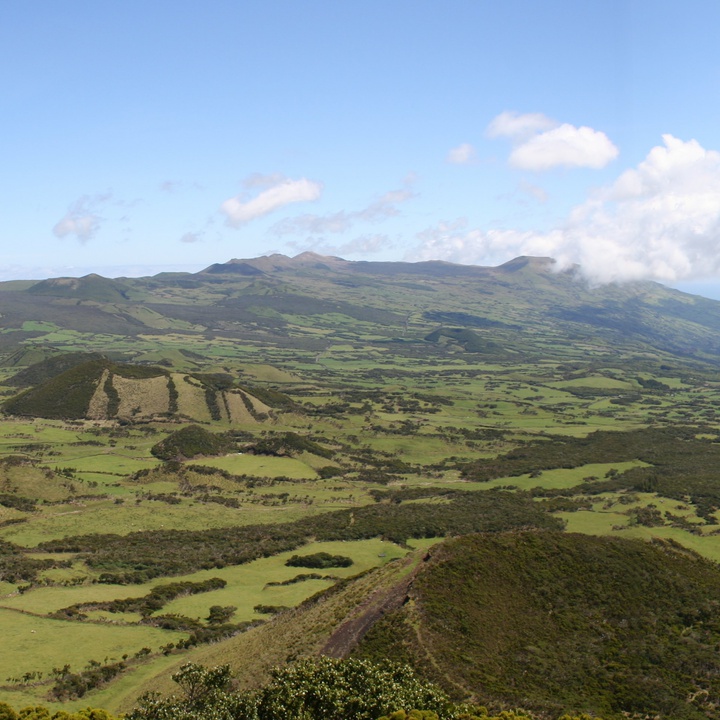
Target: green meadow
x=40, y=644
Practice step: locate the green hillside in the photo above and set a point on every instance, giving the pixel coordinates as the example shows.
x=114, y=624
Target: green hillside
x=556, y=622
x=44, y=370
x=66, y=395
x=89, y=287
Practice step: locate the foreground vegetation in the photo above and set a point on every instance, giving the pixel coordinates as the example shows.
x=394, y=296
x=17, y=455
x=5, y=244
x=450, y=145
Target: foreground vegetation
x=319, y=688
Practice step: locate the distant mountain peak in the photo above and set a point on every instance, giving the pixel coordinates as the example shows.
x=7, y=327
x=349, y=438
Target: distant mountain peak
x=275, y=263
x=527, y=261
x=87, y=287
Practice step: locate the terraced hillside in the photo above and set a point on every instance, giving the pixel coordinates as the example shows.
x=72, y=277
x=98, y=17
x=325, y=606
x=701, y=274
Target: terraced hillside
x=98, y=389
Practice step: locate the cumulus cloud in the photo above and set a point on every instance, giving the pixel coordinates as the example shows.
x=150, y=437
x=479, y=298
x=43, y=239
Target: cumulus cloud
x=240, y=210
x=541, y=143
x=566, y=146
x=659, y=220
x=378, y=210
x=81, y=219
x=461, y=155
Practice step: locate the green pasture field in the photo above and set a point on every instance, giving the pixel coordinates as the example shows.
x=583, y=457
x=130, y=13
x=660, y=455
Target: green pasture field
x=562, y=477
x=248, y=584
x=109, y=462
x=269, y=373
x=111, y=696
x=124, y=618
x=615, y=523
x=595, y=381
x=247, y=587
x=332, y=492
x=706, y=545
x=105, y=516
x=418, y=449
x=10, y=514
x=629, y=501
x=40, y=644
x=260, y=465
x=18, y=432
x=46, y=600
x=39, y=326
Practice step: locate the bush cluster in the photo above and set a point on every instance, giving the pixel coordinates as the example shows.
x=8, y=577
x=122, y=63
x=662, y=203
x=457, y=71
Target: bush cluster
x=319, y=560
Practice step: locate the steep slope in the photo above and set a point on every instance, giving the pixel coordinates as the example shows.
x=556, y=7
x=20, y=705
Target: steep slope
x=557, y=622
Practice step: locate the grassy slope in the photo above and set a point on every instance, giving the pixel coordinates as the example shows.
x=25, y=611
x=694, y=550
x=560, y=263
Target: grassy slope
x=294, y=634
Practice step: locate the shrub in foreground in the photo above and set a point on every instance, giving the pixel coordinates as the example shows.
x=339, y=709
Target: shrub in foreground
x=315, y=689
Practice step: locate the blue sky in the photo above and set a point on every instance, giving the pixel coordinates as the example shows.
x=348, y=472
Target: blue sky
x=146, y=136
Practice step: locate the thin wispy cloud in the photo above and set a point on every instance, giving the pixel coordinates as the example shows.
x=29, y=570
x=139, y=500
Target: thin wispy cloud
x=172, y=187
x=461, y=155
x=82, y=219
x=362, y=245
x=533, y=191
x=191, y=237
x=382, y=208
x=240, y=209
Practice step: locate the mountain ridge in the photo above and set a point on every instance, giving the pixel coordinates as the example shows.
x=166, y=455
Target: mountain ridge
x=312, y=302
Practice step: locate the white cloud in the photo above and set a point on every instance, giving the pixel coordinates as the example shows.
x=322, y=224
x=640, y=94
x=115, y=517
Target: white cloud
x=81, y=218
x=83, y=227
x=240, y=211
x=519, y=126
x=454, y=242
x=541, y=143
x=566, y=146
x=660, y=220
x=461, y=155
x=378, y=210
